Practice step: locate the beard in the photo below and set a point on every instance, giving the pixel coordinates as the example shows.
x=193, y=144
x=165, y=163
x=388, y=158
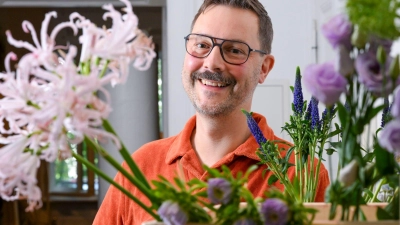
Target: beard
x=226, y=106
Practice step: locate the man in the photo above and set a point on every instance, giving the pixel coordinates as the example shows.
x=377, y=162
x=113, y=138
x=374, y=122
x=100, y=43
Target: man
x=228, y=54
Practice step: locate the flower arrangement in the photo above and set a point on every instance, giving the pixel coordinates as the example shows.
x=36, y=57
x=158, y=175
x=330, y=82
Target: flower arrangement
x=356, y=88
x=49, y=104
x=359, y=84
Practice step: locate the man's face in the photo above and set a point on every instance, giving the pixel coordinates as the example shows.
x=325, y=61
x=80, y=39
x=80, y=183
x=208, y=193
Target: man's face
x=215, y=87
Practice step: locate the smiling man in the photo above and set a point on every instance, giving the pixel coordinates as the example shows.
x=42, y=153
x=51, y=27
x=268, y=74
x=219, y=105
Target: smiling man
x=228, y=54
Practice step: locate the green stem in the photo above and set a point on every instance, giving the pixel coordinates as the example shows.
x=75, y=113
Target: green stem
x=126, y=156
x=376, y=192
x=134, y=180
x=95, y=169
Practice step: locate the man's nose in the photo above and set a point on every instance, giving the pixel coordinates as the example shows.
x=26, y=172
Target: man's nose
x=214, y=60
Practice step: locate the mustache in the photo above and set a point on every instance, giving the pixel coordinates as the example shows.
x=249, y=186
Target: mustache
x=214, y=76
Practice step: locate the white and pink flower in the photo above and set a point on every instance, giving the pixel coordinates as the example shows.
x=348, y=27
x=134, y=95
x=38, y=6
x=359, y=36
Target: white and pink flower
x=48, y=97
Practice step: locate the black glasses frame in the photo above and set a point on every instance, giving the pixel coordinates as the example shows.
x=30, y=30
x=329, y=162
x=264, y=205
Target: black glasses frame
x=220, y=47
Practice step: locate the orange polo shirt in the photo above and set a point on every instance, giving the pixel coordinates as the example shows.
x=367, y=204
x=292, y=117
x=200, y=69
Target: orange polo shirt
x=162, y=157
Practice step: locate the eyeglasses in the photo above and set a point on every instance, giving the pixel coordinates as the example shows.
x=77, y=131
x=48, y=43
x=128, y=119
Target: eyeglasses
x=233, y=52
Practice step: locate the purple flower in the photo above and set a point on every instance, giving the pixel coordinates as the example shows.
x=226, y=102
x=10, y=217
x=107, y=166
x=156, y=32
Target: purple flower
x=370, y=74
x=172, y=214
x=390, y=137
x=298, y=94
x=315, y=125
x=275, y=212
x=395, y=108
x=385, y=112
x=338, y=31
x=254, y=129
x=245, y=221
x=324, y=83
x=375, y=42
x=219, y=190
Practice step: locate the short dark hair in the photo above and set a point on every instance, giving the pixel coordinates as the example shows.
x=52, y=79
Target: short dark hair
x=265, y=31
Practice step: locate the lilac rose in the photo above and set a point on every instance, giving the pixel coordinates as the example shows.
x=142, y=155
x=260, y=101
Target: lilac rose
x=219, y=190
x=395, y=108
x=275, y=212
x=172, y=214
x=390, y=137
x=324, y=83
x=338, y=31
x=371, y=75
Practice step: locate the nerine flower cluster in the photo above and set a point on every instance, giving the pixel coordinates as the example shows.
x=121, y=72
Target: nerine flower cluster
x=48, y=102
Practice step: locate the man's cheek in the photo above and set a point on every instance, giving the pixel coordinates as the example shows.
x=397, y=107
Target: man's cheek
x=192, y=64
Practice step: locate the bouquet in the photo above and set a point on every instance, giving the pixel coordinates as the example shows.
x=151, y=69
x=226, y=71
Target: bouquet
x=361, y=83
x=49, y=103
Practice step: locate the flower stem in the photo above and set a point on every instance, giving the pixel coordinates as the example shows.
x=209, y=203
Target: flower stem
x=95, y=169
x=126, y=156
x=376, y=192
x=134, y=180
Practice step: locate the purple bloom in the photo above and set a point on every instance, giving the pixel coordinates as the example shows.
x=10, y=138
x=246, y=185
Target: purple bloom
x=390, y=137
x=370, y=74
x=308, y=112
x=245, y=221
x=395, y=108
x=385, y=112
x=338, y=31
x=172, y=214
x=254, y=128
x=324, y=83
x=275, y=212
x=315, y=125
x=298, y=94
x=219, y=190
x=375, y=42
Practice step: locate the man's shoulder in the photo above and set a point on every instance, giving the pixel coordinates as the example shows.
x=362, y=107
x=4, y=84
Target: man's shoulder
x=158, y=147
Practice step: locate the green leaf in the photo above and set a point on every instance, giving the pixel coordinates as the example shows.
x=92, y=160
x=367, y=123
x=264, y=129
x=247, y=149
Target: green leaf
x=382, y=214
x=385, y=162
x=272, y=179
x=330, y=151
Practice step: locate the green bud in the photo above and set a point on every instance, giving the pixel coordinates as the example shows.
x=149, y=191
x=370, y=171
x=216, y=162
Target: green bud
x=359, y=38
x=381, y=55
x=394, y=69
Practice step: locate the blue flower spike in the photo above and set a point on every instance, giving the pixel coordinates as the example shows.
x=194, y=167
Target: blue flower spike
x=254, y=128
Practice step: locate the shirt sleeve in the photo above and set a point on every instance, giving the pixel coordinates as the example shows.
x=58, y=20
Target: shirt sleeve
x=323, y=183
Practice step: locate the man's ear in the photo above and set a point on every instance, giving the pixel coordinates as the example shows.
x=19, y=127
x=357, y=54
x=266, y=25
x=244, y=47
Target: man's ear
x=266, y=66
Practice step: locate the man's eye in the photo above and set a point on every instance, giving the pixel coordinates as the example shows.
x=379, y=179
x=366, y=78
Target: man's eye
x=236, y=51
x=202, y=45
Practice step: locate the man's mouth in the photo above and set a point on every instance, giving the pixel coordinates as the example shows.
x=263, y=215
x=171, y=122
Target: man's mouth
x=213, y=83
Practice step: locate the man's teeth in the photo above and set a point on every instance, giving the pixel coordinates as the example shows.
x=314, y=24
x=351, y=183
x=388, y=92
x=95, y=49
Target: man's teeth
x=214, y=84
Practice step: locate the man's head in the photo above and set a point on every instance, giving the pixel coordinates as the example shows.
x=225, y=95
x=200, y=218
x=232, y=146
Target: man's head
x=225, y=57
x=265, y=30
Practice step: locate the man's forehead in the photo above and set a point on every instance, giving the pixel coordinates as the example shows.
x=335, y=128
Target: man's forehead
x=227, y=22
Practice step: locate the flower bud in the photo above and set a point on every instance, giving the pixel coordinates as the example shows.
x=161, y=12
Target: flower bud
x=348, y=174
x=359, y=38
x=381, y=55
x=394, y=69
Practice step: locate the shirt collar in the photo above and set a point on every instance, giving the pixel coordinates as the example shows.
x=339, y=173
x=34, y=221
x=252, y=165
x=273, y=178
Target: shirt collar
x=182, y=145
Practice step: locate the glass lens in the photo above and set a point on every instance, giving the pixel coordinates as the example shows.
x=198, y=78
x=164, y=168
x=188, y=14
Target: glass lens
x=235, y=52
x=198, y=45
